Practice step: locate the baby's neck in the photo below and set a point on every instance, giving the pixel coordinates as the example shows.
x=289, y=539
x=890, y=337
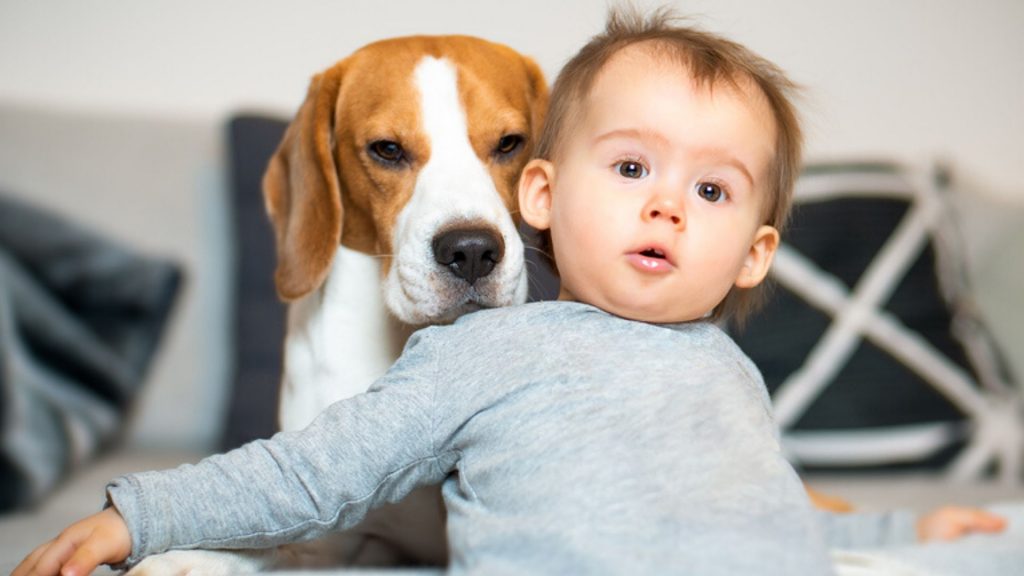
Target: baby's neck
x=565, y=296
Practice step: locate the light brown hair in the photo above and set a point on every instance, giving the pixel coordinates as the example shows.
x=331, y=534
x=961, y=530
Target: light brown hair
x=710, y=60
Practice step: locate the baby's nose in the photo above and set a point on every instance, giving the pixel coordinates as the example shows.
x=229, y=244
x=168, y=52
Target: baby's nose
x=662, y=208
x=670, y=215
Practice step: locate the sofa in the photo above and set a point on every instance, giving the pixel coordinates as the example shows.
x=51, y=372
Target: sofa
x=186, y=190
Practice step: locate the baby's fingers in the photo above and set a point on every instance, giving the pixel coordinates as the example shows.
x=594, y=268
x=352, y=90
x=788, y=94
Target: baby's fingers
x=30, y=561
x=47, y=559
x=80, y=548
x=963, y=521
x=85, y=559
x=984, y=521
x=953, y=522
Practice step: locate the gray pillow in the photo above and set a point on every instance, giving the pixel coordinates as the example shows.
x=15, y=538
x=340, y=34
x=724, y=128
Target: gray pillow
x=872, y=346
x=80, y=319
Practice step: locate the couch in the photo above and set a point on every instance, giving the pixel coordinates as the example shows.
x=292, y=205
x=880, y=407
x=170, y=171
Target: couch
x=186, y=190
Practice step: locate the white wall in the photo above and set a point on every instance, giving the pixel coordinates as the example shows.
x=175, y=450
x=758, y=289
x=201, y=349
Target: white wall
x=915, y=78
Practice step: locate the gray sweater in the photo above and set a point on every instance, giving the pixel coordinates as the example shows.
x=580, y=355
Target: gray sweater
x=568, y=441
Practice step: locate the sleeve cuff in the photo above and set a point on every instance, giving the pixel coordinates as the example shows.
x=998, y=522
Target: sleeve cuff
x=123, y=494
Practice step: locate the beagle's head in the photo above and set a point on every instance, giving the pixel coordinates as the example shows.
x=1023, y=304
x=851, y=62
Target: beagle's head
x=410, y=150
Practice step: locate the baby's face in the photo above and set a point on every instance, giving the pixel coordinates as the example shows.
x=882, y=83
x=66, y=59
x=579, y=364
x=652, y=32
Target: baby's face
x=656, y=198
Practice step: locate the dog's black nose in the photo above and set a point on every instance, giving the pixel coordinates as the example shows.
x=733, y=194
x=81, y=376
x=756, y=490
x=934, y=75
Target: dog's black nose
x=469, y=253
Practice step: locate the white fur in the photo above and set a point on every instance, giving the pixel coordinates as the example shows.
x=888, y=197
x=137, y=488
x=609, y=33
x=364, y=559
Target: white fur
x=206, y=563
x=340, y=339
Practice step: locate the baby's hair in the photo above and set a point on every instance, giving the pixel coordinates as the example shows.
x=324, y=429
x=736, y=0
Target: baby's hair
x=710, y=60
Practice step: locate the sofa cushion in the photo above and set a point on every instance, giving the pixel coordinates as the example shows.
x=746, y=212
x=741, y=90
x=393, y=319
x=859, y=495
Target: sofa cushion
x=259, y=316
x=872, y=346
x=80, y=319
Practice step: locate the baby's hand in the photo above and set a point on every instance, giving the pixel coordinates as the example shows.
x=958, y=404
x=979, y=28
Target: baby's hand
x=952, y=522
x=102, y=538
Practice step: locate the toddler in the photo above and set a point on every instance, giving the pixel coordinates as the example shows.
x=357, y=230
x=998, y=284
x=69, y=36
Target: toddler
x=616, y=430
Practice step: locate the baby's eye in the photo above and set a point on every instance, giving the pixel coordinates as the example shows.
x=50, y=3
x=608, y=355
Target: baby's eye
x=631, y=169
x=711, y=192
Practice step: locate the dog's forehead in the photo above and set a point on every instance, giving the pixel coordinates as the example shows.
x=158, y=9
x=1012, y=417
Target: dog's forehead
x=379, y=79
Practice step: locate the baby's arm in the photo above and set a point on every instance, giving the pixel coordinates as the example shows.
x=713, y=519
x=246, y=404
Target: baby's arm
x=359, y=453
x=362, y=452
x=102, y=538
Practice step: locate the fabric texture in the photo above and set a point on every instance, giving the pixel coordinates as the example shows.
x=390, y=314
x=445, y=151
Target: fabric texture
x=259, y=315
x=567, y=441
x=875, y=353
x=80, y=319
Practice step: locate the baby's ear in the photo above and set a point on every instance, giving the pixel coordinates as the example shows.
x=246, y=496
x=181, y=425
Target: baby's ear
x=535, y=193
x=759, y=259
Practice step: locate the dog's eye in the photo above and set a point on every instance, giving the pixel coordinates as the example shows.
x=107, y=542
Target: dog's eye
x=508, y=144
x=386, y=151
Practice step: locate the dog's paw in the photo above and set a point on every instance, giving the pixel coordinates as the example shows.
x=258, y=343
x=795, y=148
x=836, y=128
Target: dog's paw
x=204, y=563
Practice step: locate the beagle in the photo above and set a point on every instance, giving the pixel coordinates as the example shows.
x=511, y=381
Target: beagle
x=392, y=197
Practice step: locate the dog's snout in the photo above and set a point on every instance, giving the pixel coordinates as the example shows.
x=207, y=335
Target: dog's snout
x=470, y=254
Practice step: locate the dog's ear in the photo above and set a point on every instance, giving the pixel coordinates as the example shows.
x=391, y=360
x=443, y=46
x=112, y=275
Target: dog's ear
x=301, y=192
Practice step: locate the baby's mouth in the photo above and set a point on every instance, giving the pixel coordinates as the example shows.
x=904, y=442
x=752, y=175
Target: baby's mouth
x=651, y=260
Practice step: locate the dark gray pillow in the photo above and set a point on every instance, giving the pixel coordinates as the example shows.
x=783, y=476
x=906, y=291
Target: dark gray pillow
x=259, y=316
x=873, y=350
x=80, y=319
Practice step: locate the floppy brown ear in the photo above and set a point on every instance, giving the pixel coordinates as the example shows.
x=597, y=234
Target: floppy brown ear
x=301, y=192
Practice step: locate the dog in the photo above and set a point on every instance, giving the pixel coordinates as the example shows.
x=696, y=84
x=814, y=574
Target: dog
x=392, y=198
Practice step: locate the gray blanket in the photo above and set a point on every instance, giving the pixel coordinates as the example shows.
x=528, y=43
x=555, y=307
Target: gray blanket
x=80, y=318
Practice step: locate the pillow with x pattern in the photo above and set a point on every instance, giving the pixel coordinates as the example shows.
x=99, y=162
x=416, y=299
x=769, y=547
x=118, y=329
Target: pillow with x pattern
x=870, y=343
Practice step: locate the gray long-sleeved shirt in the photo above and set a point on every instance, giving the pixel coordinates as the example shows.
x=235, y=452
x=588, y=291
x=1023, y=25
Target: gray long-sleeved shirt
x=567, y=440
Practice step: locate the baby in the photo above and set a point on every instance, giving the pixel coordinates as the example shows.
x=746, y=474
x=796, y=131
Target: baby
x=616, y=430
